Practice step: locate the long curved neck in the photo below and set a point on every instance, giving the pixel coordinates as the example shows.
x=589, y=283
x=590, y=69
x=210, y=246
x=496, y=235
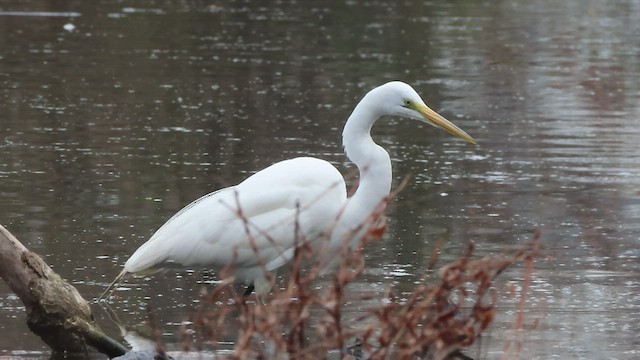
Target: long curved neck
x=372, y=160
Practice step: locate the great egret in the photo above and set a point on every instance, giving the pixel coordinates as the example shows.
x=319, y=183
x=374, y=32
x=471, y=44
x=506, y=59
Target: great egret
x=253, y=228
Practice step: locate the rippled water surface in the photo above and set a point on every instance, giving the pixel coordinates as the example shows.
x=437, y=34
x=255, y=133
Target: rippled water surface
x=116, y=114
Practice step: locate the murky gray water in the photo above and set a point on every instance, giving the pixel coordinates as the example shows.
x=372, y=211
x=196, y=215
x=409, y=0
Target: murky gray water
x=113, y=115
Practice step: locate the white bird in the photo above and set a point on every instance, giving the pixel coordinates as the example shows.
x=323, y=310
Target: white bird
x=253, y=228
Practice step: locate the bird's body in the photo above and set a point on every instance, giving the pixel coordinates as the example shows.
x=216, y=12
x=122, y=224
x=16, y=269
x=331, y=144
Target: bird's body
x=251, y=226
x=254, y=227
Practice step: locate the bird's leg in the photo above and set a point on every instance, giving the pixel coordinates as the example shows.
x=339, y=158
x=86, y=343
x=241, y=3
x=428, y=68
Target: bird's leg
x=248, y=290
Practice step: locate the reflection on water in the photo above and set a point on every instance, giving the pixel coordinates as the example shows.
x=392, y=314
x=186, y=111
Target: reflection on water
x=112, y=124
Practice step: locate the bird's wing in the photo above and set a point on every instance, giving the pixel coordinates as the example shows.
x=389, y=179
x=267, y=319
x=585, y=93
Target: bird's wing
x=256, y=223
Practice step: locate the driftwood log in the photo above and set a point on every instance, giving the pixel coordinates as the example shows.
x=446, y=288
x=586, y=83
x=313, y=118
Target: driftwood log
x=55, y=310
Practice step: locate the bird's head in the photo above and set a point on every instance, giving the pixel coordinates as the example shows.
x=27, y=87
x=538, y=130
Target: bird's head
x=400, y=99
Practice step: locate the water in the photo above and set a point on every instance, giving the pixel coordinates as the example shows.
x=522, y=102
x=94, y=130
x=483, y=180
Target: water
x=115, y=115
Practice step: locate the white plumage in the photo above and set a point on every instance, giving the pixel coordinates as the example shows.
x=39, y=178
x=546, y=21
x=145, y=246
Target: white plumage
x=256, y=225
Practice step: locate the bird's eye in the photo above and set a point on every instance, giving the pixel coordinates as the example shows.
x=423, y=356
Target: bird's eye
x=407, y=103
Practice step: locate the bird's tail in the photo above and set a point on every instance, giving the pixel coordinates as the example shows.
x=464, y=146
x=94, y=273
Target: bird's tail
x=111, y=288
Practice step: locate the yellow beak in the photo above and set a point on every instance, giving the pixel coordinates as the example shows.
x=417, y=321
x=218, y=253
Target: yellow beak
x=433, y=118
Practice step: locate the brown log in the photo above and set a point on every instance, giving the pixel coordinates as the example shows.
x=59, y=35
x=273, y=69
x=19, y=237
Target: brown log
x=55, y=310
